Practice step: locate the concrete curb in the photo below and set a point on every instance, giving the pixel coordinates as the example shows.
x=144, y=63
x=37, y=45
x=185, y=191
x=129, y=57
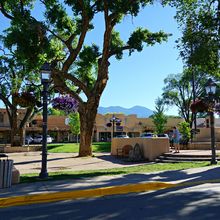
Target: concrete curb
x=94, y=192
x=87, y=193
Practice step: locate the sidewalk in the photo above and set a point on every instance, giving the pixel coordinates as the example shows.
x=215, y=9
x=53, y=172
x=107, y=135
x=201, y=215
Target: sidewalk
x=48, y=191
x=30, y=162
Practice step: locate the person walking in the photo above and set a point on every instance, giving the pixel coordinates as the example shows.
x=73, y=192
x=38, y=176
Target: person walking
x=176, y=139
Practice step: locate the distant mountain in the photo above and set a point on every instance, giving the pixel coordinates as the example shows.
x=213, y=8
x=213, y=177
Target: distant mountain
x=140, y=111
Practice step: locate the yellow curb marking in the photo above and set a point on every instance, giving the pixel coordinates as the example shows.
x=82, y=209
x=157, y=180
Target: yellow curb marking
x=95, y=192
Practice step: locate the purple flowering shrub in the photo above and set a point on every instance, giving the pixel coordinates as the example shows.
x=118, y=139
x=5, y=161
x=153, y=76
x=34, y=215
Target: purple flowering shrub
x=217, y=108
x=65, y=103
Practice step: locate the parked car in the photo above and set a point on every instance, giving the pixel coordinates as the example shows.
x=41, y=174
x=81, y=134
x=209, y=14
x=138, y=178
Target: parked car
x=163, y=135
x=122, y=136
x=28, y=139
x=39, y=139
x=148, y=135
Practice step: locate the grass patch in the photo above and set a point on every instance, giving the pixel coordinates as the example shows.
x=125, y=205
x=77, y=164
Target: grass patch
x=147, y=168
x=97, y=147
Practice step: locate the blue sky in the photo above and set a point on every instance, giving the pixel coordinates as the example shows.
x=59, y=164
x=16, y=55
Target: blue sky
x=138, y=79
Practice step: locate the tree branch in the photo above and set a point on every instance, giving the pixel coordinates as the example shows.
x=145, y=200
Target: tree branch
x=26, y=117
x=6, y=101
x=74, y=53
x=2, y=9
x=77, y=83
x=112, y=53
x=61, y=86
x=55, y=35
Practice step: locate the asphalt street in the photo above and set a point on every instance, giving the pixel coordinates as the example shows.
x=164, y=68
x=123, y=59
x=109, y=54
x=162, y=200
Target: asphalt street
x=199, y=202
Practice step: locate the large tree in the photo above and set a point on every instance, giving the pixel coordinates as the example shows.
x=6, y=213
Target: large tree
x=199, y=21
x=178, y=91
x=17, y=90
x=76, y=67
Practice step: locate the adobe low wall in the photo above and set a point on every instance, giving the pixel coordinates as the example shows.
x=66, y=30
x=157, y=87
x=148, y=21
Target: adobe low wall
x=152, y=147
x=204, y=135
x=202, y=146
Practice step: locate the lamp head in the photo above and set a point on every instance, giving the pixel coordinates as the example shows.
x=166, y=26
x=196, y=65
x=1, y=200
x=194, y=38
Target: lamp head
x=45, y=71
x=210, y=87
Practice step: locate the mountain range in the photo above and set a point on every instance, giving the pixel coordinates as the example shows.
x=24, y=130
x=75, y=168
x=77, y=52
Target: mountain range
x=140, y=111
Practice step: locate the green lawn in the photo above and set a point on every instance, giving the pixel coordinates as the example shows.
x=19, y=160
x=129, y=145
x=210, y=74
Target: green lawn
x=147, y=168
x=74, y=147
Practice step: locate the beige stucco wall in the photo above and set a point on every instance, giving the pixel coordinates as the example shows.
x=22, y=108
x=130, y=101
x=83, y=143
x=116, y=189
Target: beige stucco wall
x=205, y=135
x=152, y=147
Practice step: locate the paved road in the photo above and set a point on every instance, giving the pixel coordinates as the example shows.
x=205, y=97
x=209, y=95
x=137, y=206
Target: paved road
x=201, y=202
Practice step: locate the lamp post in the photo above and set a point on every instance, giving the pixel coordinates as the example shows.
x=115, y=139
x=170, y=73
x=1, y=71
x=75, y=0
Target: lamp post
x=114, y=120
x=210, y=88
x=45, y=79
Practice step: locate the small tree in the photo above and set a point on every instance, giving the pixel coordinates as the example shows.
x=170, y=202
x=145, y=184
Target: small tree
x=159, y=118
x=74, y=123
x=184, y=128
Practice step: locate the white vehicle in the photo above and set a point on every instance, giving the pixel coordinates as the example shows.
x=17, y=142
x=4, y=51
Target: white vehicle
x=39, y=139
x=148, y=135
x=122, y=136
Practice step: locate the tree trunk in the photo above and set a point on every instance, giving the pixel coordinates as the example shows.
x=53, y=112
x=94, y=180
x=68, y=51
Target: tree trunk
x=87, y=113
x=17, y=137
x=17, y=134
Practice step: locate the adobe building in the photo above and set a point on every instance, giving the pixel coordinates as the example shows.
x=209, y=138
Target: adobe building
x=130, y=125
x=5, y=124
x=59, y=129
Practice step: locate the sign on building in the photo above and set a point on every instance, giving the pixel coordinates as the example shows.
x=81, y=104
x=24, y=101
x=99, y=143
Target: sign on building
x=119, y=128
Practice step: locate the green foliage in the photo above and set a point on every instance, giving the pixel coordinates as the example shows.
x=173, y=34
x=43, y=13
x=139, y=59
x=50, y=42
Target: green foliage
x=199, y=45
x=30, y=39
x=86, y=66
x=184, y=128
x=74, y=123
x=178, y=90
x=58, y=17
x=16, y=80
x=117, y=44
x=52, y=111
x=141, y=36
x=97, y=147
x=159, y=118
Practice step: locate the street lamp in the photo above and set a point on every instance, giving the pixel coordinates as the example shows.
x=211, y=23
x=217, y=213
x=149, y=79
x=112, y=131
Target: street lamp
x=210, y=88
x=45, y=80
x=114, y=120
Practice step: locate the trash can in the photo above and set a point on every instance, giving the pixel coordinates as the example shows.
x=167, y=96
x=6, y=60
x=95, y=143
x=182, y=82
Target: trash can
x=6, y=167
